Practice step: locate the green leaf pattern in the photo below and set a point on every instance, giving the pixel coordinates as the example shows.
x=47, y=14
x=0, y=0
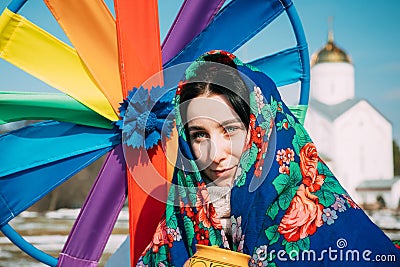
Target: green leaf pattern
x=286, y=186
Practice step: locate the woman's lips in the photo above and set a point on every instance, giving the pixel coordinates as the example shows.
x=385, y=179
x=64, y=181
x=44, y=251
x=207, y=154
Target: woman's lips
x=223, y=171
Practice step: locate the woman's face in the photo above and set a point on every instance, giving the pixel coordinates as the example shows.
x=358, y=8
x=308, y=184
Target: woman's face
x=217, y=137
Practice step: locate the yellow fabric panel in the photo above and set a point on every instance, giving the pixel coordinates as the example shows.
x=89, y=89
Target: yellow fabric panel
x=91, y=28
x=40, y=54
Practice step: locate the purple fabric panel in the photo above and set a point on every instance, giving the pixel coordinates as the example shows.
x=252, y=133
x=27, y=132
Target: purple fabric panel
x=66, y=260
x=192, y=18
x=98, y=215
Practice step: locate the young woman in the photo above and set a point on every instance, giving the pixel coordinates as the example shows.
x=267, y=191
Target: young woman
x=248, y=178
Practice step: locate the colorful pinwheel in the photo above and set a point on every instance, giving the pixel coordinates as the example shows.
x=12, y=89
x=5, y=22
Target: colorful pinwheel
x=107, y=105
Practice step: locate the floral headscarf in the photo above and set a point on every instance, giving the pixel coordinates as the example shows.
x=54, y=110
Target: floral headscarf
x=286, y=205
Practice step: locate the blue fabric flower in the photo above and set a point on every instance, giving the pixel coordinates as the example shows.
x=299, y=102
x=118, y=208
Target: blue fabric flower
x=146, y=116
x=329, y=216
x=339, y=204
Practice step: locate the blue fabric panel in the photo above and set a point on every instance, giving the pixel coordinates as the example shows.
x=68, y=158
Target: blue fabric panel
x=305, y=58
x=50, y=141
x=16, y=5
x=283, y=67
x=233, y=26
x=20, y=190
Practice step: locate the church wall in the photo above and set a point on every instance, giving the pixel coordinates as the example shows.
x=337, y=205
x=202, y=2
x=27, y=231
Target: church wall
x=332, y=83
x=395, y=196
x=363, y=147
x=320, y=130
x=346, y=157
x=379, y=162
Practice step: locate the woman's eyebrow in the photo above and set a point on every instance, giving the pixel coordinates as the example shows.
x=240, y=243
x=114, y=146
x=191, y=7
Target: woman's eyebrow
x=195, y=128
x=222, y=124
x=227, y=122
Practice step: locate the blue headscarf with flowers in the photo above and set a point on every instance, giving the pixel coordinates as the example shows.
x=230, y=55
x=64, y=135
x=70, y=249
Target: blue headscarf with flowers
x=287, y=207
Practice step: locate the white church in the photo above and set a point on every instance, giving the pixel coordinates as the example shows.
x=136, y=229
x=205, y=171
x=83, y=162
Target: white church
x=351, y=136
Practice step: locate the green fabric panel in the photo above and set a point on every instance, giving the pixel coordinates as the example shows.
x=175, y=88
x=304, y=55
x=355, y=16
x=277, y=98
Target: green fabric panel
x=15, y=106
x=299, y=111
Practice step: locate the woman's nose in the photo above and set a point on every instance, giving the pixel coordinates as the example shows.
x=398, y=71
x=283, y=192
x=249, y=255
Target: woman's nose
x=219, y=148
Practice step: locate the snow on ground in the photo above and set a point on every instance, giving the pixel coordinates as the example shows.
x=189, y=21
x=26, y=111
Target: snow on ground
x=48, y=232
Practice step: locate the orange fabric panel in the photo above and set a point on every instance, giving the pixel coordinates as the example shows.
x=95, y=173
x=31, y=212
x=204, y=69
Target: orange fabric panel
x=171, y=153
x=147, y=194
x=138, y=41
x=140, y=58
x=91, y=28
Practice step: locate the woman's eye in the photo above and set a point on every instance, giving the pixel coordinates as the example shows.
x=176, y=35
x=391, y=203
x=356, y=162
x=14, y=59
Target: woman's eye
x=198, y=136
x=231, y=129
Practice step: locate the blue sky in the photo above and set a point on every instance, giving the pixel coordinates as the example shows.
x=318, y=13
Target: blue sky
x=367, y=30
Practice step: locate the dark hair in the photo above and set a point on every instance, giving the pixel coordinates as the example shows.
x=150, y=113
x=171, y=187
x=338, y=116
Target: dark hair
x=212, y=78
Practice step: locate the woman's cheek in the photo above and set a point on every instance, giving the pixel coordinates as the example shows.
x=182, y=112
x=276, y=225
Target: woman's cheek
x=200, y=153
x=239, y=143
x=196, y=150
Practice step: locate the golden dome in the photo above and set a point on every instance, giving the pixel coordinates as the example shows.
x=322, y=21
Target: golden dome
x=330, y=53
